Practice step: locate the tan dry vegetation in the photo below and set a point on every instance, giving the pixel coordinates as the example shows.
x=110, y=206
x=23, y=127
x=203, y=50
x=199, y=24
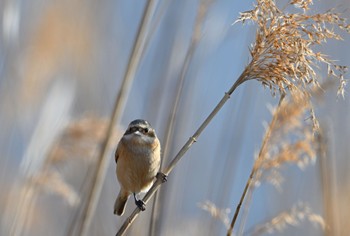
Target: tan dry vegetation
x=79, y=143
x=80, y=139
x=297, y=214
x=289, y=139
x=70, y=156
x=285, y=57
x=61, y=41
x=283, y=54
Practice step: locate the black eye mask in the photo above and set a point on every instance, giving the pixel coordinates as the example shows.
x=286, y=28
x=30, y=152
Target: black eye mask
x=140, y=129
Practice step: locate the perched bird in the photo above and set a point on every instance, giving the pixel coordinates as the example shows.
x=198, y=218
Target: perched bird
x=138, y=161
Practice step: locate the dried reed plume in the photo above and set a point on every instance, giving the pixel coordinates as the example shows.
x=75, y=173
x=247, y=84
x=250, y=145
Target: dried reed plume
x=294, y=216
x=283, y=55
x=48, y=53
x=288, y=139
x=80, y=139
x=78, y=143
x=216, y=213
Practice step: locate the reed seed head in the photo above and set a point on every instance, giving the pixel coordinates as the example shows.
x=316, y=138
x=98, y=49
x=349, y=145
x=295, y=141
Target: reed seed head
x=283, y=55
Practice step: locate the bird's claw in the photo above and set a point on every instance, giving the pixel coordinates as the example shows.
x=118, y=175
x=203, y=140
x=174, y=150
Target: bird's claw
x=141, y=205
x=162, y=177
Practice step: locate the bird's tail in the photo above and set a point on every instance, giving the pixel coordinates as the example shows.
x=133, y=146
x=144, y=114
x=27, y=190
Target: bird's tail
x=120, y=202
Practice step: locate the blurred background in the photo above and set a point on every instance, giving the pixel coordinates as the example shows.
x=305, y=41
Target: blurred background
x=62, y=64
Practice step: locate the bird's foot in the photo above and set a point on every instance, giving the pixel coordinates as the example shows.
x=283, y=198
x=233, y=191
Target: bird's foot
x=140, y=204
x=162, y=177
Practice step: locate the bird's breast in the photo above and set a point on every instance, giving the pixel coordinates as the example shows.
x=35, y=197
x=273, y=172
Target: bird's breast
x=137, y=165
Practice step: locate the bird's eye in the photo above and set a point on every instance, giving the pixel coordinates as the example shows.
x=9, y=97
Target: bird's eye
x=132, y=129
x=146, y=130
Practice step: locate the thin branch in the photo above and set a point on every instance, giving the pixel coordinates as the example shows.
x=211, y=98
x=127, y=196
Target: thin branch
x=245, y=212
x=253, y=171
x=119, y=106
x=247, y=186
x=181, y=153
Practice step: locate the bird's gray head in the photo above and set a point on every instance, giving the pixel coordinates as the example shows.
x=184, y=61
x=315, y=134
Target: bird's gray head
x=141, y=128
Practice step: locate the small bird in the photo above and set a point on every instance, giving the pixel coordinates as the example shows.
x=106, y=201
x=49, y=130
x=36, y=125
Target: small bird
x=138, y=162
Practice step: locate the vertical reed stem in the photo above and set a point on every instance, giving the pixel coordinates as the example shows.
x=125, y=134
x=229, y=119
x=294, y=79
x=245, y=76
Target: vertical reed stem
x=119, y=106
x=253, y=171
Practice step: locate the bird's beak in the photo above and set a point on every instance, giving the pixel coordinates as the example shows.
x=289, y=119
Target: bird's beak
x=137, y=132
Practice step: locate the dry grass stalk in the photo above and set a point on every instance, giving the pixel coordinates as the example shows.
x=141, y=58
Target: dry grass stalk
x=295, y=216
x=287, y=140
x=103, y=158
x=271, y=171
x=283, y=55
